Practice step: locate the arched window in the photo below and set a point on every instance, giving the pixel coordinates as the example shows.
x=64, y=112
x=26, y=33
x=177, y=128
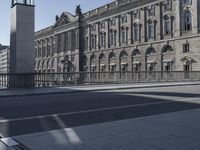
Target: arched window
x=102, y=56
x=123, y=54
x=93, y=62
x=123, y=63
x=93, y=57
x=85, y=59
x=112, y=63
x=187, y=21
x=150, y=50
x=112, y=55
x=166, y=48
x=136, y=52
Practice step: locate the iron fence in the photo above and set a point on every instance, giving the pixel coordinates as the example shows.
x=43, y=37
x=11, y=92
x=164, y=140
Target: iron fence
x=86, y=78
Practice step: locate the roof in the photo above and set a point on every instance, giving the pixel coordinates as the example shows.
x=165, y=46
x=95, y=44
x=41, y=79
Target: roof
x=3, y=47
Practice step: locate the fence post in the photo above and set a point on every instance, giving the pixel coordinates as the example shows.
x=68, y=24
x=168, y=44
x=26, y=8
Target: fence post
x=126, y=77
x=115, y=78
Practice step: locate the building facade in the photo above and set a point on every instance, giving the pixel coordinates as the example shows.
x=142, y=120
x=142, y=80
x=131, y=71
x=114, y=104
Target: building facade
x=4, y=59
x=125, y=35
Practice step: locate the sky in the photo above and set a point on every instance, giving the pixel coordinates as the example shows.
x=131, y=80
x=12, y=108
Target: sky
x=45, y=12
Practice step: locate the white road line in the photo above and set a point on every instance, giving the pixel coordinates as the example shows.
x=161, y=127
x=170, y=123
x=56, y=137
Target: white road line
x=84, y=111
x=1, y=135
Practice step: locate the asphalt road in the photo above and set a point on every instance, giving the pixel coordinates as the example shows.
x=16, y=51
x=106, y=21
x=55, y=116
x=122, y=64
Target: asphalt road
x=31, y=114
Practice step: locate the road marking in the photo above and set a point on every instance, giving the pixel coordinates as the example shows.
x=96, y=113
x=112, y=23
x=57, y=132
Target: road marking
x=1, y=135
x=9, y=141
x=84, y=111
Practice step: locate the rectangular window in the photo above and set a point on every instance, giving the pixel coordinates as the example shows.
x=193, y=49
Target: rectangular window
x=151, y=31
x=124, y=36
x=167, y=27
x=112, y=21
x=113, y=38
x=136, y=34
x=102, y=25
x=124, y=18
x=186, y=48
x=168, y=6
x=86, y=43
x=136, y=14
x=93, y=45
x=93, y=28
x=187, y=2
x=151, y=11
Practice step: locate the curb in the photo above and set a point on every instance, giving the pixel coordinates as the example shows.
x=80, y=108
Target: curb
x=95, y=90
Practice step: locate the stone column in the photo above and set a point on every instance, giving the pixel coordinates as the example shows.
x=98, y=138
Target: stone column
x=37, y=49
x=107, y=34
x=130, y=23
x=45, y=43
x=89, y=38
x=178, y=20
x=70, y=40
x=118, y=42
x=62, y=42
x=144, y=24
x=195, y=16
x=97, y=36
x=158, y=23
x=56, y=44
x=22, y=45
x=51, y=46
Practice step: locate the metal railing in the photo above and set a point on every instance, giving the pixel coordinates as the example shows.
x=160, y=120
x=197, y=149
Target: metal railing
x=86, y=78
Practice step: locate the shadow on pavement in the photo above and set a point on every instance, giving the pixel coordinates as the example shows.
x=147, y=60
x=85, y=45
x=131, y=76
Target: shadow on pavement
x=137, y=106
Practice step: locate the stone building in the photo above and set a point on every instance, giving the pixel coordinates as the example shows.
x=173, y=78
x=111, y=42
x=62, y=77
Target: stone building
x=125, y=35
x=4, y=59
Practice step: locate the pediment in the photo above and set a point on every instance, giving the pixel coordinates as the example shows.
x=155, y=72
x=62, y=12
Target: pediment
x=64, y=19
x=186, y=58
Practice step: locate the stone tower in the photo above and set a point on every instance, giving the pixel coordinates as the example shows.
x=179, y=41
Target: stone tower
x=22, y=37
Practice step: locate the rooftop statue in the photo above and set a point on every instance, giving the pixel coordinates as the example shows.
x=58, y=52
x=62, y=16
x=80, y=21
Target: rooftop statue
x=78, y=10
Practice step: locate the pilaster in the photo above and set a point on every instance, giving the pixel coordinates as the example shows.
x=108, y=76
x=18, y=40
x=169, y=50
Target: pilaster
x=178, y=20
x=130, y=23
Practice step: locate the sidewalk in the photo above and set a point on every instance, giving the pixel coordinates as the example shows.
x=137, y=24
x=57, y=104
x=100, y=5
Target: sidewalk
x=172, y=131
x=76, y=89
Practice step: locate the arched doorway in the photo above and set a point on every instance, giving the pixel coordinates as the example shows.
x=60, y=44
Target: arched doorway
x=167, y=62
x=102, y=62
x=102, y=66
x=150, y=58
x=123, y=59
x=136, y=64
x=93, y=66
x=93, y=63
x=85, y=62
x=112, y=64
